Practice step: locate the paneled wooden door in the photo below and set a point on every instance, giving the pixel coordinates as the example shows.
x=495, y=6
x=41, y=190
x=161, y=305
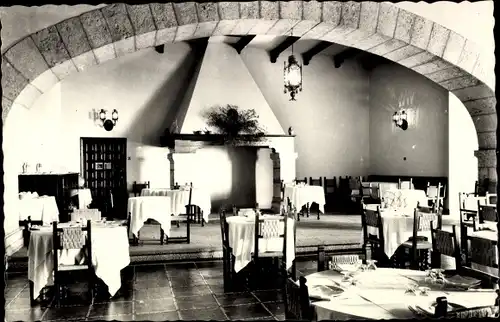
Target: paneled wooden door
x=104, y=167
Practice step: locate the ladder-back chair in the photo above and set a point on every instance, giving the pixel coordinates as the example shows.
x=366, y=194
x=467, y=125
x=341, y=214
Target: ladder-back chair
x=296, y=299
x=444, y=243
x=137, y=187
x=372, y=218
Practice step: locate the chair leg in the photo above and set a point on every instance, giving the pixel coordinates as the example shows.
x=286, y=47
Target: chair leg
x=32, y=295
x=162, y=233
x=308, y=209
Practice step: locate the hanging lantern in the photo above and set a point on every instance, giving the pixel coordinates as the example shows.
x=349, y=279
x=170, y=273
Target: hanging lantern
x=292, y=77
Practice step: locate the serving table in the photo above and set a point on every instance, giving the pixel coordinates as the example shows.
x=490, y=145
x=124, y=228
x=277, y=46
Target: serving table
x=242, y=240
x=43, y=209
x=381, y=294
x=110, y=254
x=180, y=199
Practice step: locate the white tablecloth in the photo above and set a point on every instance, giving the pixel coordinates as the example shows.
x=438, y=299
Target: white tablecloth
x=405, y=198
x=42, y=208
x=301, y=195
x=84, y=198
x=110, y=254
x=380, y=294
x=180, y=199
x=397, y=225
x=141, y=209
x=242, y=241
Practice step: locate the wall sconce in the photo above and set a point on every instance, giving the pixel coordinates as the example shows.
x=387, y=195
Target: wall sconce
x=108, y=124
x=400, y=119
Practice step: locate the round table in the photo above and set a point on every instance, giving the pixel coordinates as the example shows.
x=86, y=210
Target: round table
x=380, y=294
x=142, y=208
x=301, y=195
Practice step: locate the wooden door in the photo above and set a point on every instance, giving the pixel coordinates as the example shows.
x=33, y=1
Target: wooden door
x=104, y=167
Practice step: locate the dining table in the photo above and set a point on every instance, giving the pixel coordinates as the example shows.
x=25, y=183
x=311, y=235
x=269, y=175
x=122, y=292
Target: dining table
x=241, y=230
x=397, y=227
x=301, y=195
x=110, y=254
x=141, y=209
x=180, y=199
x=383, y=294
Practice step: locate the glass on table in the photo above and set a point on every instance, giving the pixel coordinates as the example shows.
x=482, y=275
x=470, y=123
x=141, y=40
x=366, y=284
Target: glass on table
x=346, y=276
x=370, y=265
x=411, y=289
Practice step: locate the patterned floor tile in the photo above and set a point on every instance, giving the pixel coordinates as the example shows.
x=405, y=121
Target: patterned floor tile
x=196, y=302
x=204, y=315
x=164, y=316
x=246, y=311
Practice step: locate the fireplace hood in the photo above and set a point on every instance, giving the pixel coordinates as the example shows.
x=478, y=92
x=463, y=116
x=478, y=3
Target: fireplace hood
x=222, y=78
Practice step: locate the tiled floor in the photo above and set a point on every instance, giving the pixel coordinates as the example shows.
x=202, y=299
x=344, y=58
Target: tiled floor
x=156, y=292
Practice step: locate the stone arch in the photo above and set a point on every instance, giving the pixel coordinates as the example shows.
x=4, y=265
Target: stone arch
x=34, y=64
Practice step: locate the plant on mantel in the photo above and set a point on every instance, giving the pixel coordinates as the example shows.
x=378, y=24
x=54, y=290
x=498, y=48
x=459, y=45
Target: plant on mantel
x=236, y=126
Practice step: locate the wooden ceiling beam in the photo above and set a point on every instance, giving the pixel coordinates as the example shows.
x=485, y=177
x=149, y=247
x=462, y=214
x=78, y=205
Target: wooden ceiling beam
x=308, y=55
x=242, y=43
x=276, y=51
x=349, y=53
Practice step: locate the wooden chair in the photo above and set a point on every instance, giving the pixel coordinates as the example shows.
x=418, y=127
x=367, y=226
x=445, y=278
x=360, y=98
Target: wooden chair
x=187, y=216
x=405, y=184
x=484, y=252
x=419, y=246
x=72, y=238
x=330, y=187
x=485, y=213
x=228, y=258
x=296, y=299
x=479, y=312
x=370, y=194
x=137, y=187
x=297, y=181
x=269, y=228
x=436, y=194
x=373, y=245
x=287, y=214
x=444, y=243
x=336, y=259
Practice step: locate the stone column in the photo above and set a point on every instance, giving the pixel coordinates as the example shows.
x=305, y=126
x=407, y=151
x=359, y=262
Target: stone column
x=487, y=170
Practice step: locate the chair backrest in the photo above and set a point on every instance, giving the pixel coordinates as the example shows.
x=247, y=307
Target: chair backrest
x=316, y=182
x=370, y=191
x=405, y=185
x=445, y=243
x=487, y=213
x=488, y=311
x=301, y=180
x=137, y=187
x=224, y=227
x=422, y=221
x=371, y=218
x=297, y=303
x=491, y=198
x=355, y=183
x=482, y=251
x=436, y=192
x=268, y=228
x=330, y=185
x=65, y=238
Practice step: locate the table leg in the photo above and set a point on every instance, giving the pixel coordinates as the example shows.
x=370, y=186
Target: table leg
x=202, y=219
x=32, y=291
x=308, y=211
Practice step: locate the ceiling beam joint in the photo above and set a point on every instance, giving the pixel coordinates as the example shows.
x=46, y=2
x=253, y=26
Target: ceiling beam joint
x=242, y=43
x=308, y=55
x=275, y=52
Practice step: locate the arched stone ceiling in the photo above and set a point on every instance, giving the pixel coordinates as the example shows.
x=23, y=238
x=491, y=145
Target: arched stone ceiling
x=34, y=64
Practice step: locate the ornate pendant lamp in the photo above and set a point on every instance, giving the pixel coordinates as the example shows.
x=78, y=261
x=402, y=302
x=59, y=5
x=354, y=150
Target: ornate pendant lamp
x=292, y=73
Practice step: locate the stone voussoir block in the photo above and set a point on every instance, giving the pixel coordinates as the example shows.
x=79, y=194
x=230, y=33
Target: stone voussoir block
x=118, y=21
x=404, y=26
x=331, y=12
x=486, y=158
x=460, y=82
x=387, y=19
x=473, y=92
x=249, y=10
x=51, y=46
x=13, y=81
x=141, y=17
x=185, y=13
x=291, y=10
x=481, y=106
x=269, y=10
x=312, y=10
x=207, y=12
x=229, y=10
x=439, y=38
x=421, y=32
x=485, y=122
x=164, y=15
x=27, y=59
x=74, y=37
x=96, y=28
x=487, y=140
